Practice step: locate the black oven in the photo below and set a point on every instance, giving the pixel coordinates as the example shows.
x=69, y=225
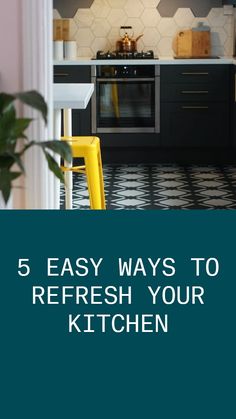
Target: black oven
x=126, y=98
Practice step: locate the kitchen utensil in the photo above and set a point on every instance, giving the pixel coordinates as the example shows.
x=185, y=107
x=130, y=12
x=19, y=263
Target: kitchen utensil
x=192, y=43
x=70, y=50
x=57, y=30
x=201, y=27
x=62, y=30
x=127, y=43
x=58, y=50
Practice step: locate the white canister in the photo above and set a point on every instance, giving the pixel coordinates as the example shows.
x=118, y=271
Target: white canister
x=58, y=50
x=70, y=50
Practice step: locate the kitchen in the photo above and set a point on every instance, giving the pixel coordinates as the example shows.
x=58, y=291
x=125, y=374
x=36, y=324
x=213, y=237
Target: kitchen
x=165, y=124
x=118, y=311
x=152, y=161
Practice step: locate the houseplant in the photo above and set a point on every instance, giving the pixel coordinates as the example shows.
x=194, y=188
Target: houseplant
x=14, y=141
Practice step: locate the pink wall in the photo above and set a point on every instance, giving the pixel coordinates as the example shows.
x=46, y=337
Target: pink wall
x=11, y=63
x=10, y=45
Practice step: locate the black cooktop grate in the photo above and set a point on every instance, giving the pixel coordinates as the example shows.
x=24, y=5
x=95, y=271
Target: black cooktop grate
x=134, y=55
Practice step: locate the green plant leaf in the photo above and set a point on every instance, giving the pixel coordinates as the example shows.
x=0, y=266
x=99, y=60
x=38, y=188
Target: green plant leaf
x=34, y=100
x=16, y=157
x=5, y=101
x=7, y=121
x=6, y=179
x=60, y=147
x=6, y=161
x=53, y=166
x=21, y=124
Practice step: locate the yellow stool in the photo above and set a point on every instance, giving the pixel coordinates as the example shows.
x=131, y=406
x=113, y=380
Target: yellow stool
x=88, y=148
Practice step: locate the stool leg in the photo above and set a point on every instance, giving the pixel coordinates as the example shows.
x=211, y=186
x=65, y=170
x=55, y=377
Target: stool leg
x=68, y=175
x=93, y=179
x=103, y=200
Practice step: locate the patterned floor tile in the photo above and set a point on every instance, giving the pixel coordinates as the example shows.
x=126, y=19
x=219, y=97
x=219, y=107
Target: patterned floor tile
x=162, y=186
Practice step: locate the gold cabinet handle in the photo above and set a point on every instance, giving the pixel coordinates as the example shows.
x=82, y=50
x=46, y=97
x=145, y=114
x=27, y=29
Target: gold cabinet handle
x=200, y=92
x=195, y=73
x=195, y=107
x=61, y=74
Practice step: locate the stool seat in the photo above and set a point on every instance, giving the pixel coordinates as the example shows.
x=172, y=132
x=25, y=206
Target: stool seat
x=80, y=145
x=88, y=148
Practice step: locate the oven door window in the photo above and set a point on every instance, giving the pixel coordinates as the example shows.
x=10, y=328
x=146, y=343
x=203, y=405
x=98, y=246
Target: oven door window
x=125, y=104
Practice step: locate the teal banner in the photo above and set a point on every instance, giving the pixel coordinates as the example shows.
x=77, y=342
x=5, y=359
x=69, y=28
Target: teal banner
x=118, y=314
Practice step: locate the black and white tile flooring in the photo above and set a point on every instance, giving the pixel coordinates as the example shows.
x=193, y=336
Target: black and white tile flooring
x=161, y=186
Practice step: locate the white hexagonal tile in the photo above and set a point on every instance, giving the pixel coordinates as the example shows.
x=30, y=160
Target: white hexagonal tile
x=141, y=46
x=216, y=17
x=84, y=37
x=116, y=4
x=100, y=8
x=137, y=25
x=165, y=47
x=184, y=18
x=84, y=18
x=100, y=44
x=117, y=17
x=113, y=37
x=229, y=46
x=133, y=8
x=85, y=52
x=148, y=48
x=100, y=27
x=150, y=17
x=156, y=51
x=73, y=29
x=150, y=3
x=151, y=37
x=229, y=28
x=167, y=27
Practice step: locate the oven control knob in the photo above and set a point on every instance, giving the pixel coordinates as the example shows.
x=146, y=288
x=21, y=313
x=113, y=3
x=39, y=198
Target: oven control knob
x=124, y=71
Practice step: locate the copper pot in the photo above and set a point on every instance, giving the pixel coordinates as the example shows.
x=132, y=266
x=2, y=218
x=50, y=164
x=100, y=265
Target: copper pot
x=127, y=43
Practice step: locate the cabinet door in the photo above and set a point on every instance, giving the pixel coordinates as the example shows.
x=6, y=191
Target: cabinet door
x=198, y=92
x=72, y=74
x=195, y=73
x=195, y=124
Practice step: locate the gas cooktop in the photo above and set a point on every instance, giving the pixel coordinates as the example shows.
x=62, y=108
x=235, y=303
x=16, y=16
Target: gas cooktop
x=115, y=55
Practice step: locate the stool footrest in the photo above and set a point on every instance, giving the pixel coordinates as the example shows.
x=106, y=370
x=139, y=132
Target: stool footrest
x=77, y=169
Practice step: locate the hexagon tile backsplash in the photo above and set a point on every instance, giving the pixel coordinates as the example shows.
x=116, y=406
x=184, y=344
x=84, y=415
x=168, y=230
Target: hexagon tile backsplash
x=96, y=23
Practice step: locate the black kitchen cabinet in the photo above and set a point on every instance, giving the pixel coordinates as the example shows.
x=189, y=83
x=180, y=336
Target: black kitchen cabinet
x=197, y=117
x=232, y=2
x=234, y=107
x=195, y=106
x=195, y=124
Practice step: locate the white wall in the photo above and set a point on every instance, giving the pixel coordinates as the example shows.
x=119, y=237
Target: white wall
x=10, y=46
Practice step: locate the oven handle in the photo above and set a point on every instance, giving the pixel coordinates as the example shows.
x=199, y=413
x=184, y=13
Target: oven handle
x=125, y=79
